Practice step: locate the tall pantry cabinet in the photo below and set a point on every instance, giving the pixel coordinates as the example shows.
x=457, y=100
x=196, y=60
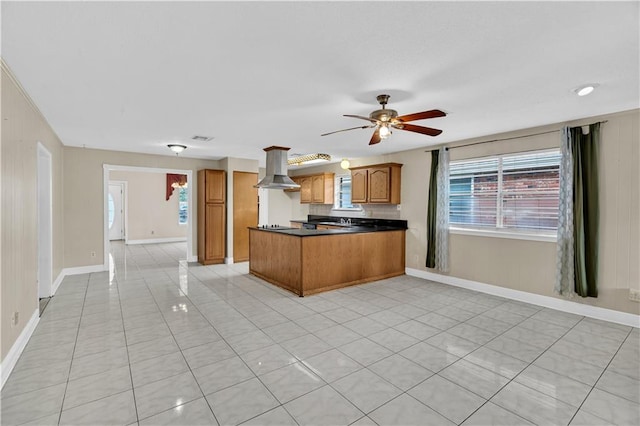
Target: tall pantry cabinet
x=211, y=216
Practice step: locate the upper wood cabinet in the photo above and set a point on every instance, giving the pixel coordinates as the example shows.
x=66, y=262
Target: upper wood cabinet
x=315, y=189
x=215, y=186
x=376, y=184
x=359, y=189
x=306, y=187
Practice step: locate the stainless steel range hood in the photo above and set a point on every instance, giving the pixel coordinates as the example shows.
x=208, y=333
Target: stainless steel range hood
x=276, y=177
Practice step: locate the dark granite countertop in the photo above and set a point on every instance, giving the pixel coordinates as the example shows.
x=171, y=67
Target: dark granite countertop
x=314, y=232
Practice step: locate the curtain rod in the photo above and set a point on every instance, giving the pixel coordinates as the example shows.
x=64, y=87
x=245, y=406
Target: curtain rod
x=506, y=139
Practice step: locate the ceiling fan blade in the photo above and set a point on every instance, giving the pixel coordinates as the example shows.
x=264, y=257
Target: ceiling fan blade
x=434, y=113
x=375, y=138
x=346, y=130
x=361, y=118
x=418, y=129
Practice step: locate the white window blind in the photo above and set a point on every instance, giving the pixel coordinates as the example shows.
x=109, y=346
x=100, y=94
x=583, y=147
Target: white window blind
x=343, y=193
x=515, y=191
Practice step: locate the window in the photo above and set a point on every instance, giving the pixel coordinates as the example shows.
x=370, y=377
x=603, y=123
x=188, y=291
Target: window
x=506, y=192
x=343, y=194
x=183, y=204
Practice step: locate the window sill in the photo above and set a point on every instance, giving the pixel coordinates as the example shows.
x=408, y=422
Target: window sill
x=514, y=235
x=355, y=209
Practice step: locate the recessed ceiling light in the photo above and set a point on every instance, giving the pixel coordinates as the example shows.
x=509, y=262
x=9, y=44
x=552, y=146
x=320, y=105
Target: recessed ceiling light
x=585, y=89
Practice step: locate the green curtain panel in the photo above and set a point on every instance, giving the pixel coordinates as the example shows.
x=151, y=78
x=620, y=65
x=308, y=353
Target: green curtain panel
x=586, y=209
x=432, y=208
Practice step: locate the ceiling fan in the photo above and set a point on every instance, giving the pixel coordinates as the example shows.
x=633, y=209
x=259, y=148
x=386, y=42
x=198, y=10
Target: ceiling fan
x=385, y=119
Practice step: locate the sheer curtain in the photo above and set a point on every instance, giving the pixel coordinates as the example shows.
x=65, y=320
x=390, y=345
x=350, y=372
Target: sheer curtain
x=565, y=275
x=442, y=214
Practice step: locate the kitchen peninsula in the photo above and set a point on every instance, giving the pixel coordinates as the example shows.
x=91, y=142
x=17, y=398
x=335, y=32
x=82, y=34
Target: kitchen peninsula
x=307, y=261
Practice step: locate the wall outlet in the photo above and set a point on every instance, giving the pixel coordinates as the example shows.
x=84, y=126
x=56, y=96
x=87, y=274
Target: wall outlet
x=634, y=295
x=15, y=318
x=93, y=254
x=399, y=207
x=153, y=232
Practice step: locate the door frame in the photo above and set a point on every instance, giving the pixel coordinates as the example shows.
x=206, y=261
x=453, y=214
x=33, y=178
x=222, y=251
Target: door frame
x=125, y=203
x=106, y=168
x=44, y=208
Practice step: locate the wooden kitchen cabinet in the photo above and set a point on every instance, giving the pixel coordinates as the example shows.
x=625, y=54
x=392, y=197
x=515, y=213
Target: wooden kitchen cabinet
x=376, y=184
x=359, y=189
x=215, y=186
x=316, y=189
x=306, y=183
x=322, y=188
x=211, y=216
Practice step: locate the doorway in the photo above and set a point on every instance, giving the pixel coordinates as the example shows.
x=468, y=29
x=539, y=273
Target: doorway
x=107, y=169
x=245, y=212
x=116, y=210
x=45, y=222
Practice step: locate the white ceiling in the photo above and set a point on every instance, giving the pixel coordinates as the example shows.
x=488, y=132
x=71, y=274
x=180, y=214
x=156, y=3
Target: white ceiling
x=135, y=76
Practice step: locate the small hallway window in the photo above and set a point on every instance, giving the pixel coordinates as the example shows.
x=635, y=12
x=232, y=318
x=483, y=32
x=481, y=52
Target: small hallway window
x=183, y=204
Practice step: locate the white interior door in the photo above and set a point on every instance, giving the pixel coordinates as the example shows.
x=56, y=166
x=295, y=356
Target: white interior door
x=116, y=211
x=45, y=223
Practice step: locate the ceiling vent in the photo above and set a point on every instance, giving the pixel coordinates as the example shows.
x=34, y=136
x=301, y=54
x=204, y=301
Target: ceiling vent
x=202, y=138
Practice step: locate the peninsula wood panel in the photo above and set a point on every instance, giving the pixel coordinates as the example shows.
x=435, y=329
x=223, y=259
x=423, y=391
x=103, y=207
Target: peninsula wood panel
x=245, y=212
x=275, y=257
x=335, y=261
x=311, y=264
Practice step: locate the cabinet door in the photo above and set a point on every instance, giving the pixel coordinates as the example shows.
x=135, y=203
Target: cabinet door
x=359, y=186
x=215, y=186
x=380, y=185
x=317, y=189
x=214, y=232
x=305, y=190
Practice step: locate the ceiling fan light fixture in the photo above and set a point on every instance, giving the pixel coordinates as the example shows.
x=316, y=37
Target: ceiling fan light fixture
x=384, y=131
x=177, y=148
x=308, y=159
x=345, y=164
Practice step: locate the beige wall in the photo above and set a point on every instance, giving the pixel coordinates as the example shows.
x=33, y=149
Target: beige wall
x=83, y=199
x=149, y=215
x=22, y=128
x=530, y=265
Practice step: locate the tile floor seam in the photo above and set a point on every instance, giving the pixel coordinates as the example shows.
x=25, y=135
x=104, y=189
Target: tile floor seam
x=229, y=287
x=530, y=364
x=86, y=290
x=222, y=337
x=181, y=353
x=599, y=377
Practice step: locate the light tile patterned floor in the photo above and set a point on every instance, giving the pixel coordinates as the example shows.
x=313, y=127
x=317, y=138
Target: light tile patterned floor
x=159, y=341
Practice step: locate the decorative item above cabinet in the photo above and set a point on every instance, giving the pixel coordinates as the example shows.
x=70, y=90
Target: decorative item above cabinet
x=376, y=184
x=315, y=189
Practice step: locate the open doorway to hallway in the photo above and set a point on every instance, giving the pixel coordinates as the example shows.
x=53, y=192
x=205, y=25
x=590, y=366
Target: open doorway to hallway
x=153, y=212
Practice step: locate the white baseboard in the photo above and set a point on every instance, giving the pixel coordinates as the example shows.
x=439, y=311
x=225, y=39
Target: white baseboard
x=83, y=270
x=157, y=241
x=228, y=260
x=9, y=361
x=535, y=299
x=192, y=259
x=57, y=282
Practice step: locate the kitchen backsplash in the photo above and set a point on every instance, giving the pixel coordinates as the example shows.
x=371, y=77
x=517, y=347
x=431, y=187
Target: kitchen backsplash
x=382, y=211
